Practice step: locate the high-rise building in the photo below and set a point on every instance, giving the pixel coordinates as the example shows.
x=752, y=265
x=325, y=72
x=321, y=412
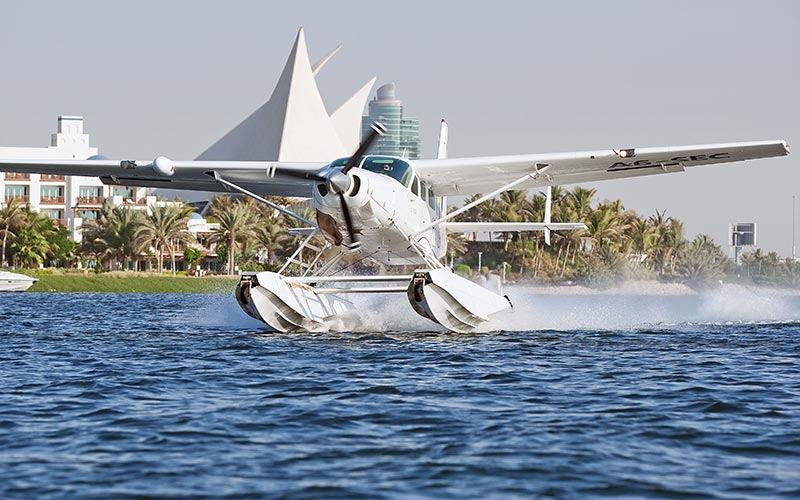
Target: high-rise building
x=402, y=134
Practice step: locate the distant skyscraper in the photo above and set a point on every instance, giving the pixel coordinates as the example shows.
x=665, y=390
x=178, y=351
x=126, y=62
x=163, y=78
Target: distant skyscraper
x=402, y=137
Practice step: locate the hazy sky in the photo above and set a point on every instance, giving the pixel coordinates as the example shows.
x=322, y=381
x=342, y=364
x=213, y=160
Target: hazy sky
x=170, y=77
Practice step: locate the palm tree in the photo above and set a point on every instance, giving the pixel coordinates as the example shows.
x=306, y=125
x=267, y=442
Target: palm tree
x=162, y=228
x=581, y=201
x=702, y=263
x=605, y=224
x=30, y=247
x=667, y=241
x=471, y=215
x=12, y=214
x=640, y=234
x=236, y=223
x=773, y=262
x=507, y=208
x=456, y=246
x=269, y=236
x=32, y=243
x=533, y=210
x=114, y=234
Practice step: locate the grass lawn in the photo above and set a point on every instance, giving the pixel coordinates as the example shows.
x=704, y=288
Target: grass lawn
x=131, y=282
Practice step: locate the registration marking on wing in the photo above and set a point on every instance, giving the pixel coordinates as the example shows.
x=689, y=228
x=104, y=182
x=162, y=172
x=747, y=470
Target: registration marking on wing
x=669, y=162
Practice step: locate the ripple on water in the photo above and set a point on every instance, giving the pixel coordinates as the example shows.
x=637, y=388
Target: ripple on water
x=192, y=399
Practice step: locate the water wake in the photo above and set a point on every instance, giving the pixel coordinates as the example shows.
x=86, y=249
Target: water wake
x=617, y=309
x=537, y=308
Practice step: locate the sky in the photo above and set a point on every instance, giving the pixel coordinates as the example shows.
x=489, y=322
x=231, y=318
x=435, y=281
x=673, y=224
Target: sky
x=169, y=78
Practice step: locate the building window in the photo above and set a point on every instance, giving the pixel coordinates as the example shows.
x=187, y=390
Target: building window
x=52, y=191
x=90, y=191
x=89, y=214
x=17, y=192
x=55, y=214
x=125, y=192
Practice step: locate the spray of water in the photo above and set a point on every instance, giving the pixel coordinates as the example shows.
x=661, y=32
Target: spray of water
x=558, y=309
x=644, y=308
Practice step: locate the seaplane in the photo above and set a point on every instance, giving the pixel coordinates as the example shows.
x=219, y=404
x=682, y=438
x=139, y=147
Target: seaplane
x=392, y=211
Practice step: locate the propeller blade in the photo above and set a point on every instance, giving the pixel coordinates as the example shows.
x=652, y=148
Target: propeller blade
x=348, y=220
x=377, y=129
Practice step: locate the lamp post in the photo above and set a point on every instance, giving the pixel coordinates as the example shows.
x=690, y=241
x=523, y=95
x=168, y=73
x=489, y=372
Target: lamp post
x=794, y=226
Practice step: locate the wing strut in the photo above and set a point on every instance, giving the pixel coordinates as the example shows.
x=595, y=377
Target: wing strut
x=540, y=168
x=261, y=199
x=548, y=211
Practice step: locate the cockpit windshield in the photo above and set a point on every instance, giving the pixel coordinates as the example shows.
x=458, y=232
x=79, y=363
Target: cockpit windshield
x=393, y=167
x=340, y=162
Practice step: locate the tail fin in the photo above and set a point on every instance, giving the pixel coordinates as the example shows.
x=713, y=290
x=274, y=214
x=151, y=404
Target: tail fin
x=442, y=154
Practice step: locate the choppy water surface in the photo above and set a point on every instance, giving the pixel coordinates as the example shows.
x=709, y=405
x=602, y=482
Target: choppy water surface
x=181, y=396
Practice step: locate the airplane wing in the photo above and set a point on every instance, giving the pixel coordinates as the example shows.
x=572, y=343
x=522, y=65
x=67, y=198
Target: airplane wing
x=467, y=176
x=259, y=177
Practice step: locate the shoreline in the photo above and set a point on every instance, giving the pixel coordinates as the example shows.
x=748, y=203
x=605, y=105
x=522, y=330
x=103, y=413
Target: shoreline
x=125, y=282
x=122, y=282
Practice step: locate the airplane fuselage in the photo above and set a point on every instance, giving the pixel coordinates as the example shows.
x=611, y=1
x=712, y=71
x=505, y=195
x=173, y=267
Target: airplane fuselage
x=389, y=205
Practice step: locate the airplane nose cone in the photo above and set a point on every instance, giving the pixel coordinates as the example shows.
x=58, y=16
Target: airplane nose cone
x=339, y=183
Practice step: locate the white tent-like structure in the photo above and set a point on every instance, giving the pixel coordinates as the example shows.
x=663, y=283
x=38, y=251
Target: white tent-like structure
x=294, y=124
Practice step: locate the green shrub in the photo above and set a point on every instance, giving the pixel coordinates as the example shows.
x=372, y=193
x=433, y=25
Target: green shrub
x=462, y=270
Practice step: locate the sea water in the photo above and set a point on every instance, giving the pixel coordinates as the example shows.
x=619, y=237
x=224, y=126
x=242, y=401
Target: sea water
x=603, y=395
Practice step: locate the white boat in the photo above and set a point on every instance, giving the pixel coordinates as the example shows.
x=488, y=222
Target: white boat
x=13, y=282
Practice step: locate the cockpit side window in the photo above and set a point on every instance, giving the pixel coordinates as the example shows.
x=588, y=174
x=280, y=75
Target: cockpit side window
x=430, y=198
x=415, y=186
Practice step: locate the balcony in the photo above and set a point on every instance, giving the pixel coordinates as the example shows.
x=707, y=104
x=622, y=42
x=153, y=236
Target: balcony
x=131, y=202
x=14, y=176
x=22, y=198
x=53, y=178
x=91, y=200
x=52, y=200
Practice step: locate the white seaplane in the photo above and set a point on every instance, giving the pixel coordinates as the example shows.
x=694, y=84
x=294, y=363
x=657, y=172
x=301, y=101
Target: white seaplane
x=393, y=211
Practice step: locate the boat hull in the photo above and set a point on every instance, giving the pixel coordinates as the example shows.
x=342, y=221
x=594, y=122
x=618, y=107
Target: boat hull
x=13, y=282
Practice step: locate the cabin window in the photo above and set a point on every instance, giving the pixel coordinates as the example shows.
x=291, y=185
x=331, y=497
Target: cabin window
x=431, y=198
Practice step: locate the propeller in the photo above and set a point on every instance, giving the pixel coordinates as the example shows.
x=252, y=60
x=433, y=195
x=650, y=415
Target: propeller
x=338, y=182
x=376, y=129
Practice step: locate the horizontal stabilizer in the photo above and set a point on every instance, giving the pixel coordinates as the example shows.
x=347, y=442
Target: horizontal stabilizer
x=510, y=227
